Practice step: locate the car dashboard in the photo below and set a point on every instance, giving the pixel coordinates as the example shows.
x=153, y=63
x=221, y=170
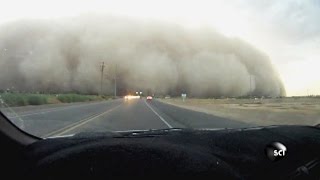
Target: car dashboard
x=206, y=153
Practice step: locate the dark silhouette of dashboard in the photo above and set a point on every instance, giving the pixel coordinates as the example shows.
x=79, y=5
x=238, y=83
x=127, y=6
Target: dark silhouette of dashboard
x=214, y=154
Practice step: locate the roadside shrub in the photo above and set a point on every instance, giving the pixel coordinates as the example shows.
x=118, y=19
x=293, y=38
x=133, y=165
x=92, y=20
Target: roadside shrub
x=13, y=99
x=23, y=99
x=64, y=98
x=37, y=99
x=69, y=98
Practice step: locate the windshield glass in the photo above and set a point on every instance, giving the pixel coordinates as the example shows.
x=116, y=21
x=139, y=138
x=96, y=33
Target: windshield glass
x=97, y=66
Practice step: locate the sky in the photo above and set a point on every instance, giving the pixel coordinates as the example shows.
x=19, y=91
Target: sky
x=288, y=31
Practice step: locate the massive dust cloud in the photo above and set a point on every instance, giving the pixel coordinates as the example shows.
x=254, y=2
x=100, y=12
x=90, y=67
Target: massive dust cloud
x=64, y=55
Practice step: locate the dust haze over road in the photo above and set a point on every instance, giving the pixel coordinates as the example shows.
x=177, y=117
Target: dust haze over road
x=63, y=55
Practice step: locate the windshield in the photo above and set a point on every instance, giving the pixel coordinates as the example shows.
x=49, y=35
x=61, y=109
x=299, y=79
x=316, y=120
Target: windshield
x=97, y=66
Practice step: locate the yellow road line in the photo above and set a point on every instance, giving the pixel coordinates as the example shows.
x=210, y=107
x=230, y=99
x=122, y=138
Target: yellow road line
x=77, y=124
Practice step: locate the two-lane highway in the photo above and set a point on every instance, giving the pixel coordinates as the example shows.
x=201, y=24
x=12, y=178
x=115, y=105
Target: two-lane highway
x=115, y=115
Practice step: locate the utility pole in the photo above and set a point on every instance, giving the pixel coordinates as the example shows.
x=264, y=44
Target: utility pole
x=280, y=95
x=102, y=68
x=115, y=81
x=250, y=86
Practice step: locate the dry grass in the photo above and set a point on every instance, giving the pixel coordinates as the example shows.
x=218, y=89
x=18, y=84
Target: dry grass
x=292, y=111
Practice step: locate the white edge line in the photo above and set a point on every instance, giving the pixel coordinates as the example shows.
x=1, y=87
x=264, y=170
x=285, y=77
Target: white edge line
x=160, y=117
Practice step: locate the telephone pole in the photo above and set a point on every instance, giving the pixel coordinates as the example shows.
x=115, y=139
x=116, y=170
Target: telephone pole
x=115, y=81
x=250, y=86
x=101, y=69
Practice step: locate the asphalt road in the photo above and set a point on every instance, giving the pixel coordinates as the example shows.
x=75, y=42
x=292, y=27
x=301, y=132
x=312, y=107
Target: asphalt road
x=114, y=115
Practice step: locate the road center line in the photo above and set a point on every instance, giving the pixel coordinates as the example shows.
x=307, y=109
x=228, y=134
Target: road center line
x=160, y=117
x=79, y=123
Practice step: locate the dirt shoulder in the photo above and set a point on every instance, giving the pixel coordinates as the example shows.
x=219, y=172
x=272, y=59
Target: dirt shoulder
x=286, y=111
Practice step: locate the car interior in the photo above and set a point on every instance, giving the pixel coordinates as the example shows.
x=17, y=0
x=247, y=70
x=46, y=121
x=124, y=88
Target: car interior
x=215, y=153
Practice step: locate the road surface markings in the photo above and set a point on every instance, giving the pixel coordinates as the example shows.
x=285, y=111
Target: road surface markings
x=50, y=110
x=160, y=117
x=77, y=124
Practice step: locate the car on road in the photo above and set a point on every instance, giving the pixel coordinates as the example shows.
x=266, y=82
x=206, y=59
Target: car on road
x=149, y=98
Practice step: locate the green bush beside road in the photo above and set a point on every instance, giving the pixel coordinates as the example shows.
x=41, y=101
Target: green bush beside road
x=13, y=99
x=68, y=98
x=24, y=99
x=36, y=99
